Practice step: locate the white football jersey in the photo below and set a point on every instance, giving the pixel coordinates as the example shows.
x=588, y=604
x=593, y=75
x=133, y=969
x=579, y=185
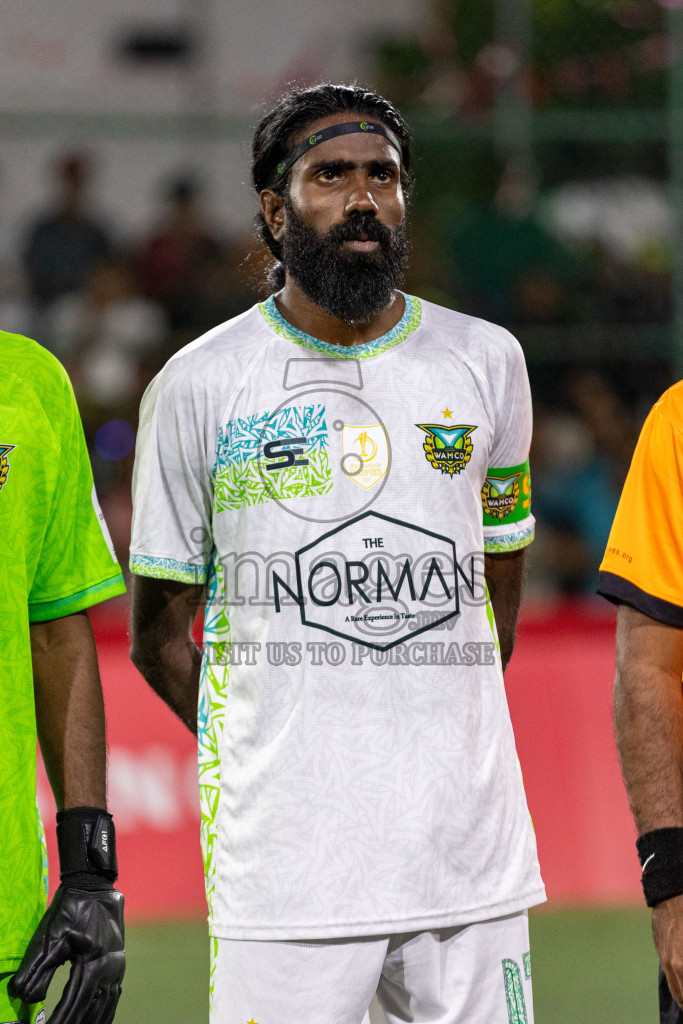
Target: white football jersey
x=357, y=764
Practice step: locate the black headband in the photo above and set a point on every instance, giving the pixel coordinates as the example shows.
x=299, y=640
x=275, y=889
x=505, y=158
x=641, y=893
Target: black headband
x=347, y=128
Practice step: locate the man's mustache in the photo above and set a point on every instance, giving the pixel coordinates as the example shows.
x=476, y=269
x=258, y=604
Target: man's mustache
x=360, y=229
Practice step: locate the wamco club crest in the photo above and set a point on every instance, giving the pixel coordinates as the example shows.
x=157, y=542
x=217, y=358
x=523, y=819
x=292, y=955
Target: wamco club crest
x=447, y=448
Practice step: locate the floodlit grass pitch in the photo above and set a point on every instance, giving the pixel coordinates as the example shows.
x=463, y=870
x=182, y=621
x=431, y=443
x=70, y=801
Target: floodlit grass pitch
x=589, y=967
x=593, y=967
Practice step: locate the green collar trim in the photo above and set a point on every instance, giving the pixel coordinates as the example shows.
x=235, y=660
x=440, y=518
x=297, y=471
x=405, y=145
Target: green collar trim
x=406, y=326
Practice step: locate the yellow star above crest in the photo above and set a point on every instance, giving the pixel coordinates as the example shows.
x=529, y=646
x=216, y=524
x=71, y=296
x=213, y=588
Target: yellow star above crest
x=446, y=413
x=252, y=1021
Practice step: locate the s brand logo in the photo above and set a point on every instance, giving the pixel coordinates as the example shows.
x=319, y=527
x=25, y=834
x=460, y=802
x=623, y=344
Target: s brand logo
x=280, y=450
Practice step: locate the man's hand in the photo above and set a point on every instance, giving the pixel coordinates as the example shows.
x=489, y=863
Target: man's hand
x=86, y=928
x=667, y=931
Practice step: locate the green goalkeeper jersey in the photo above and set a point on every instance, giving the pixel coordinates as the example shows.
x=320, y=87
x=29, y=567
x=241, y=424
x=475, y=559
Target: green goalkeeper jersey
x=56, y=558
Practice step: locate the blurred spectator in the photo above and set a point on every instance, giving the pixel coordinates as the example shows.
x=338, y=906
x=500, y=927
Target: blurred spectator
x=580, y=460
x=605, y=55
x=226, y=288
x=174, y=261
x=104, y=335
x=16, y=315
x=8, y=276
x=510, y=268
x=561, y=445
x=66, y=241
x=638, y=291
x=623, y=225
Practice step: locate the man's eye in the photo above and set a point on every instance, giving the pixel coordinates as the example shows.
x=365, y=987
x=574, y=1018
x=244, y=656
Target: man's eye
x=384, y=175
x=329, y=174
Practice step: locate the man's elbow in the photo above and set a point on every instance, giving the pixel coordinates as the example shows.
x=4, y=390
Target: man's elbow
x=155, y=659
x=145, y=656
x=644, y=689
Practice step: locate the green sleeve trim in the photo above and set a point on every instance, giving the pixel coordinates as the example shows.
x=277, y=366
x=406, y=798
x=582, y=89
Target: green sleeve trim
x=506, y=495
x=168, y=569
x=513, y=541
x=43, y=610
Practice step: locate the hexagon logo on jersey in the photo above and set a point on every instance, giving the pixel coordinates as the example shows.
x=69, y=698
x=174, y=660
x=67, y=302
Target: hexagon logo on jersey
x=376, y=581
x=499, y=495
x=365, y=457
x=5, y=449
x=447, y=448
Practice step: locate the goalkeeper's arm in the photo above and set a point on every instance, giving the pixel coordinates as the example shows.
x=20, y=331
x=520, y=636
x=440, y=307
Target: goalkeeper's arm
x=84, y=922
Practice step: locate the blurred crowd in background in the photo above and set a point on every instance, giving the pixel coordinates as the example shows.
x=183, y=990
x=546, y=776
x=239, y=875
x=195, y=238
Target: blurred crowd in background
x=559, y=231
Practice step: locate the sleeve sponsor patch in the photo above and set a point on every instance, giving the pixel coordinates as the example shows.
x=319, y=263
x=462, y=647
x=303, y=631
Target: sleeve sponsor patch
x=506, y=495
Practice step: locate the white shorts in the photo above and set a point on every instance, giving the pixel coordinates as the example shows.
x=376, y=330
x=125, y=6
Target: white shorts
x=474, y=974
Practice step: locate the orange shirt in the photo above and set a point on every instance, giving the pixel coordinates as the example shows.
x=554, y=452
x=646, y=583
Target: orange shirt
x=643, y=563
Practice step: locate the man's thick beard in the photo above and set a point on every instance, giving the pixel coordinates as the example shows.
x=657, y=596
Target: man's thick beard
x=352, y=286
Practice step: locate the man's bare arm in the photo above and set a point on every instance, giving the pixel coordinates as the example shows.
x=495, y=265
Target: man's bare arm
x=504, y=574
x=70, y=710
x=163, y=650
x=648, y=718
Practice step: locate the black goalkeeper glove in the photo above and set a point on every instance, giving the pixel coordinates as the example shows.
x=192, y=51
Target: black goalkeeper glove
x=83, y=924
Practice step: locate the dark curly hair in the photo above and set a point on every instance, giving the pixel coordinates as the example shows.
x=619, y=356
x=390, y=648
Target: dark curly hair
x=293, y=115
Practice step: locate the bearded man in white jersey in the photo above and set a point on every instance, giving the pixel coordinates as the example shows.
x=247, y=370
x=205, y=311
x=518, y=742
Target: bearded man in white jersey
x=341, y=473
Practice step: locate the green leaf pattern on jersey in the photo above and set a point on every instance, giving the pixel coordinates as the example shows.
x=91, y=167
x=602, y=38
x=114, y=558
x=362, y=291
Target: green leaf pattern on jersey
x=213, y=961
x=406, y=326
x=213, y=685
x=492, y=619
x=240, y=475
x=514, y=993
x=509, y=541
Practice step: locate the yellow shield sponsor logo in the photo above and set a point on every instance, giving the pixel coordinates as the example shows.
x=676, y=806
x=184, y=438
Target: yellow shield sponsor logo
x=365, y=457
x=499, y=495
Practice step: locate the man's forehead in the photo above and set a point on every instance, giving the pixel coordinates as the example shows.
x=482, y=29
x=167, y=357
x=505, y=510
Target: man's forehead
x=357, y=146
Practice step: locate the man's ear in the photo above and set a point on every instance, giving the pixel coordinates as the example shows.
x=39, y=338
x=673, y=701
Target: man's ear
x=273, y=210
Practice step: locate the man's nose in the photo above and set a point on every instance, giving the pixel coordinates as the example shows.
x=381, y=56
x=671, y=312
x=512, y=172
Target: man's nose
x=360, y=200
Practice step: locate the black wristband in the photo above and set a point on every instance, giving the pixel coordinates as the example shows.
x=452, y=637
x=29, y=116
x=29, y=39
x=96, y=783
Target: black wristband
x=661, y=858
x=86, y=841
